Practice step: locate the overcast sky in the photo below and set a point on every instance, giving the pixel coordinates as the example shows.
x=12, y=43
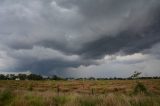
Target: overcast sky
x=80, y=38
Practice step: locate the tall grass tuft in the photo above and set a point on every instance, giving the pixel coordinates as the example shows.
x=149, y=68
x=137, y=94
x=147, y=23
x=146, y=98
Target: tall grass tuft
x=89, y=101
x=5, y=97
x=140, y=88
x=30, y=87
x=60, y=100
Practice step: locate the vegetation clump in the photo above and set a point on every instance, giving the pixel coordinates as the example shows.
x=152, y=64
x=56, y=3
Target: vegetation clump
x=60, y=100
x=5, y=97
x=140, y=88
x=30, y=87
x=88, y=101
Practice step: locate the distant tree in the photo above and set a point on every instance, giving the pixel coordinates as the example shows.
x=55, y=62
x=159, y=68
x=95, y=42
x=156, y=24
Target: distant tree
x=80, y=79
x=22, y=76
x=34, y=77
x=55, y=77
x=7, y=77
x=115, y=78
x=12, y=76
x=91, y=78
x=2, y=77
x=135, y=75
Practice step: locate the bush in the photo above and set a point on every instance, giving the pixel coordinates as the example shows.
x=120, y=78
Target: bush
x=5, y=97
x=89, y=101
x=30, y=87
x=34, y=100
x=140, y=88
x=60, y=100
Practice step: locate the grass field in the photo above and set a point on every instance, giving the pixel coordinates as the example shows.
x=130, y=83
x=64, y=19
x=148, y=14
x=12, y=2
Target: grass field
x=78, y=93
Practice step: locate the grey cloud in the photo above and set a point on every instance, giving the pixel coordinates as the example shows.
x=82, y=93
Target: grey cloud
x=154, y=51
x=50, y=35
x=45, y=60
x=102, y=8
x=129, y=41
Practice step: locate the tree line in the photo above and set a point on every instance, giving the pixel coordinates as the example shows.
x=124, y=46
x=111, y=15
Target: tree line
x=55, y=77
x=28, y=77
x=20, y=77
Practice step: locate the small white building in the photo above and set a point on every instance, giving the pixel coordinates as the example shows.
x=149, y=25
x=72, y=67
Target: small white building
x=17, y=79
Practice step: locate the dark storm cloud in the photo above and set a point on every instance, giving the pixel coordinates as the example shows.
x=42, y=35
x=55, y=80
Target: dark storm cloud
x=126, y=41
x=45, y=66
x=47, y=36
x=100, y=8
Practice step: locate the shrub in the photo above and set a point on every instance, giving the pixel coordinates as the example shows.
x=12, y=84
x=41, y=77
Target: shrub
x=19, y=101
x=34, y=100
x=140, y=88
x=60, y=100
x=5, y=97
x=30, y=87
x=88, y=101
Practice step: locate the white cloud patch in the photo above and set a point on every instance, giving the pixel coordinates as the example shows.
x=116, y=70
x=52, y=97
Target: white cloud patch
x=122, y=66
x=6, y=63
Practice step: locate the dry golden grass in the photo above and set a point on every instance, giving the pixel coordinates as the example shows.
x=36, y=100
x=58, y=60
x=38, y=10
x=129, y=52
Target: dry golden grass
x=100, y=86
x=78, y=93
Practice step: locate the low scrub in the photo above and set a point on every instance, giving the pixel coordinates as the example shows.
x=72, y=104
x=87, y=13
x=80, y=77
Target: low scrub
x=5, y=97
x=60, y=100
x=140, y=88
